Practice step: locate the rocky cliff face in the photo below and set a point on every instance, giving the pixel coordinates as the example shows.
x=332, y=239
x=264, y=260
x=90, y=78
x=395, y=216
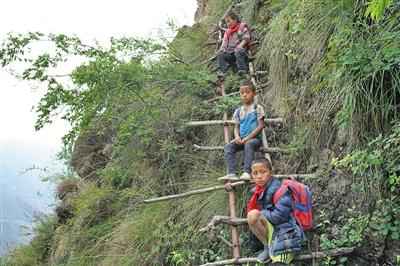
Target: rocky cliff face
x=92, y=151
x=202, y=10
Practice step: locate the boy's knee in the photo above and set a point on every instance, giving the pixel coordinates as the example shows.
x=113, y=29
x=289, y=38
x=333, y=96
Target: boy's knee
x=222, y=54
x=240, y=52
x=228, y=148
x=253, y=143
x=253, y=216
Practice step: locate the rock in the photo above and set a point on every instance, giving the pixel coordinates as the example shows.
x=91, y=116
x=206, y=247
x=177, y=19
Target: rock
x=92, y=151
x=339, y=183
x=64, y=212
x=393, y=252
x=342, y=136
x=67, y=187
x=202, y=10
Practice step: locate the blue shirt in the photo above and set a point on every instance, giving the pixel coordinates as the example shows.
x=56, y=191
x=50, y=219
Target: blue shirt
x=248, y=118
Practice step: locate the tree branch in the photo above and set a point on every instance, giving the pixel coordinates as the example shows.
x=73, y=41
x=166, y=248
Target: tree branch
x=300, y=257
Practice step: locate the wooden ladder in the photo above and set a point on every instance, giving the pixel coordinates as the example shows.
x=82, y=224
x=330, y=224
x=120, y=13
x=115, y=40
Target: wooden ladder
x=232, y=220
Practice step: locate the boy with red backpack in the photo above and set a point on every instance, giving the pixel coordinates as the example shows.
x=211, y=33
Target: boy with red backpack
x=278, y=213
x=234, y=48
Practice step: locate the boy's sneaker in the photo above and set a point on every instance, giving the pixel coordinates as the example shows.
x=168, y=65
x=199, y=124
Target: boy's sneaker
x=220, y=75
x=229, y=177
x=245, y=176
x=264, y=255
x=242, y=73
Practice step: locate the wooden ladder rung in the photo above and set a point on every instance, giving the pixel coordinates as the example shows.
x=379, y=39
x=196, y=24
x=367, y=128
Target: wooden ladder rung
x=194, y=192
x=295, y=176
x=272, y=121
x=209, y=123
x=261, y=72
x=300, y=257
x=258, y=73
x=219, y=219
x=262, y=149
x=228, y=243
x=236, y=182
x=227, y=95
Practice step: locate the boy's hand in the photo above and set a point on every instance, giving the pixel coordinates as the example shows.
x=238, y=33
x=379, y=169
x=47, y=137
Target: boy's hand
x=228, y=187
x=245, y=140
x=238, y=140
x=240, y=48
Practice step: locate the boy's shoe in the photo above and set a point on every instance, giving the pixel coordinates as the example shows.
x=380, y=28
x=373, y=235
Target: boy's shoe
x=219, y=83
x=245, y=176
x=220, y=75
x=264, y=255
x=229, y=177
x=242, y=73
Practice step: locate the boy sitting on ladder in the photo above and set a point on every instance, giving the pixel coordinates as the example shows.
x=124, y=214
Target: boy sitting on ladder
x=234, y=48
x=249, y=122
x=271, y=215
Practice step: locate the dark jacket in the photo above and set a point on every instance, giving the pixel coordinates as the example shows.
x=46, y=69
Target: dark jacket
x=288, y=236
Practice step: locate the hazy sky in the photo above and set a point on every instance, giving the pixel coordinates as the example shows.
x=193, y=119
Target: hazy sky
x=88, y=19
x=92, y=18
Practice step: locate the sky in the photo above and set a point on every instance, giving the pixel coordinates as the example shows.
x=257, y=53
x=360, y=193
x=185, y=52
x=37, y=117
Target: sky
x=88, y=19
x=20, y=146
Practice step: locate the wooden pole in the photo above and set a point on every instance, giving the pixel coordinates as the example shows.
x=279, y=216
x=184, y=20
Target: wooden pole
x=265, y=146
x=294, y=176
x=218, y=219
x=314, y=255
x=264, y=138
x=252, y=74
x=229, y=244
x=297, y=176
x=193, y=192
x=237, y=182
x=226, y=95
x=262, y=149
x=272, y=121
x=231, y=194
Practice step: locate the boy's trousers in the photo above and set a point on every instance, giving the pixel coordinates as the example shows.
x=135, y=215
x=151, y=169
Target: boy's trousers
x=249, y=148
x=238, y=59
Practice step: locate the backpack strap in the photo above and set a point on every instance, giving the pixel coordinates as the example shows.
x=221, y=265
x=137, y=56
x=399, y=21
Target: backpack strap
x=238, y=110
x=237, y=113
x=280, y=192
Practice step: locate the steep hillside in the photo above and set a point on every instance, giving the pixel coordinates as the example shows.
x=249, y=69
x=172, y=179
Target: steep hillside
x=330, y=69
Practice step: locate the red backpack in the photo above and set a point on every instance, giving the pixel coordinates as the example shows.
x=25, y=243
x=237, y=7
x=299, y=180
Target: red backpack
x=302, y=201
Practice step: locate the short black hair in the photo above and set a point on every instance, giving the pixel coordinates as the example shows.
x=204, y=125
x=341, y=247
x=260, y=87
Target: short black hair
x=248, y=83
x=264, y=161
x=232, y=15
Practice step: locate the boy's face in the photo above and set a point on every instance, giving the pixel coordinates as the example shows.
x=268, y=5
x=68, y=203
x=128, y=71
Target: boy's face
x=260, y=173
x=247, y=94
x=229, y=21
